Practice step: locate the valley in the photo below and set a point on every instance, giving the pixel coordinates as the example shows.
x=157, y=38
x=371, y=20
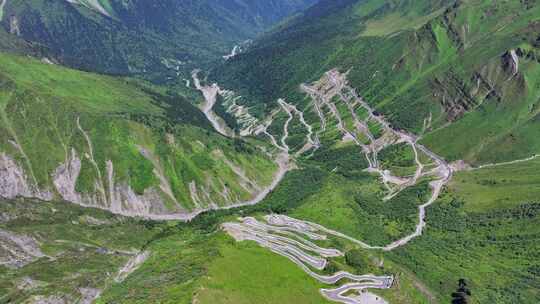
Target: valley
x=110, y=194
x=323, y=94
x=157, y=42
x=284, y=151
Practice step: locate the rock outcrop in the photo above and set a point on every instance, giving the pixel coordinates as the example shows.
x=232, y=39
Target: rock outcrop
x=14, y=182
x=17, y=250
x=120, y=197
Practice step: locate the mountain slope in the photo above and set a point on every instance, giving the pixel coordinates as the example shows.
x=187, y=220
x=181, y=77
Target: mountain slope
x=310, y=44
x=151, y=38
x=458, y=78
x=414, y=61
x=116, y=144
x=372, y=101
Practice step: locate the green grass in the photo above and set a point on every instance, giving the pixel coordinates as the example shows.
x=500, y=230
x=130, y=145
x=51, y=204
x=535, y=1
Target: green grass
x=244, y=272
x=41, y=103
x=198, y=262
x=355, y=207
x=171, y=273
x=483, y=229
x=399, y=159
x=498, y=187
x=496, y=252
x=88, y=92
x=464, y=238
x=334, y=207
x=395, y=22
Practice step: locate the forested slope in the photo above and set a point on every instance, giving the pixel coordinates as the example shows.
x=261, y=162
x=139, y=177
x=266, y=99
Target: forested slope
x=154, y=39
x=457, y=64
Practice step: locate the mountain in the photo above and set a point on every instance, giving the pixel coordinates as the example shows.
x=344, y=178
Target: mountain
x=358, y=151
x=458, y=64
x=110, y=154
x=154, y=38
x=456, y=81
x=116, y=144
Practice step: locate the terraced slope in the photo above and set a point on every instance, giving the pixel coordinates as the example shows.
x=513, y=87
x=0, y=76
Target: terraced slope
x=116, y=144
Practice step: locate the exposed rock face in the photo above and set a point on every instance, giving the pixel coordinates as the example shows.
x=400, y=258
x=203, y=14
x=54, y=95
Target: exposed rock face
x=91, y=4
x=120, y=197
x=92, y=221
x=460, y=165
x=18, y=250
x=511, y=62
x=2, y=4
x=100, y=187
x=454, y=96
x=27, y=283
x=133, y=264
x=490, y=83
x=194, y=194
x=158, y=172
x=65, y=178
x=89, y=295
x=14, y=182
x=47, y=300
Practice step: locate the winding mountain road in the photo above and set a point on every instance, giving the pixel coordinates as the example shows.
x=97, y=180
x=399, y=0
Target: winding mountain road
x=287, y=237
x=336, y=83
x=324, y=93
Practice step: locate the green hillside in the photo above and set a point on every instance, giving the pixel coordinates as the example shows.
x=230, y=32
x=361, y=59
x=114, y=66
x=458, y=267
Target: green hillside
x=82, y=249
x=155, y=40
x=450, y=62
x=460, y=75
x=117, y=144
x=410, y=128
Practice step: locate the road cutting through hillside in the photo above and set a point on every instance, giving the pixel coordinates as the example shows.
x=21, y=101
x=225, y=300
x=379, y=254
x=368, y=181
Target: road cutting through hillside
x=339, y=87
x=283, y=161
x=287, y=237
x=513, y=162
x=312, y=140
x=441, y=175
x=323, y=95
x=235, y=50
x=336, y=85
